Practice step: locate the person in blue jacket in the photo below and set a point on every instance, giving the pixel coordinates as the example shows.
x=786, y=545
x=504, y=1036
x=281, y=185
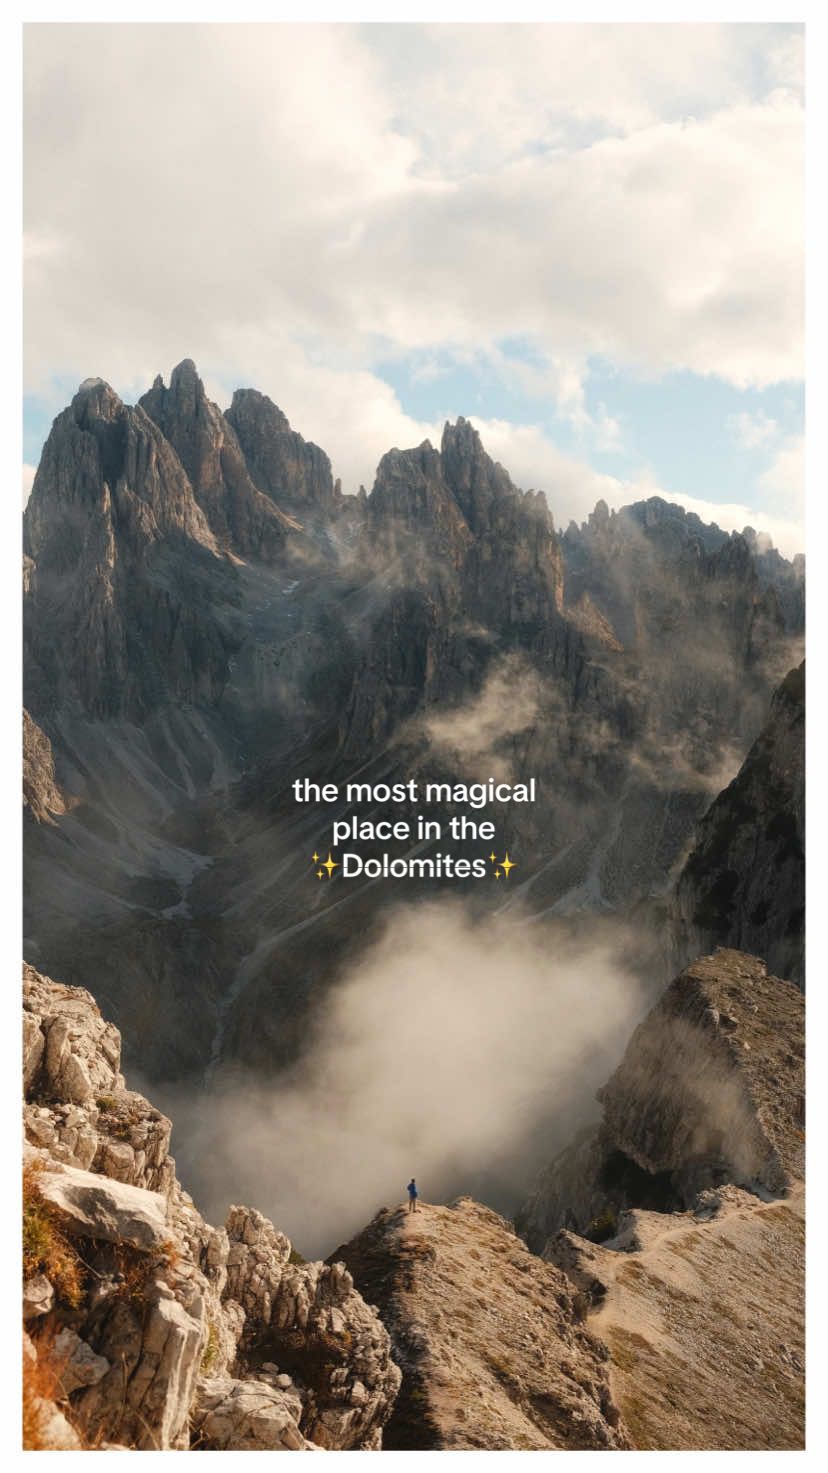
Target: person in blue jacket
x=412, y=1195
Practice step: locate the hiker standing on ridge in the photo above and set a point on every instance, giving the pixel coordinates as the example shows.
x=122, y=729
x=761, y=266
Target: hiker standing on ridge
x=412, y=1195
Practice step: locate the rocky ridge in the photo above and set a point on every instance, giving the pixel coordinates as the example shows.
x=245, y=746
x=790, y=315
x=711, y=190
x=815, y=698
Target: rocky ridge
x=710, y=1091
x=702, y=1315
x=680, y=1217
x=490, y=1338
x=146, y=1327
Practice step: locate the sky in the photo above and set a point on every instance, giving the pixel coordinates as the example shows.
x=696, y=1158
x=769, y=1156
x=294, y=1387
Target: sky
x=587, y=239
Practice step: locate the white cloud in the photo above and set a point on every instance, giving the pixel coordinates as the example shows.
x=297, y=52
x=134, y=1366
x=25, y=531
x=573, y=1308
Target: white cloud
x=573, y=487
x=753, y=431
x=291, y=204
x=277, y=181
x=783, y=483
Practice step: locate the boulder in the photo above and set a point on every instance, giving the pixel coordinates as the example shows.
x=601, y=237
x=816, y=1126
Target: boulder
x=95, y=1206
x=38, y=1297
x=74, y=1363
x=249, y=1416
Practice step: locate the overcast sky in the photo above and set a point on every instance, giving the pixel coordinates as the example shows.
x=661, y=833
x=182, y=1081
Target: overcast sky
x=587, y=239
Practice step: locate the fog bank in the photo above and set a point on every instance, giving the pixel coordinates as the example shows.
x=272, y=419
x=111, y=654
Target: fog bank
x=461, y=1051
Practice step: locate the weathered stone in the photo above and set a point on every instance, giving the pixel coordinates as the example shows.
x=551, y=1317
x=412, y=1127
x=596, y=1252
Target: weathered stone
x=74, y=1363
x=743, y=885
x=168, y=1300
x=97, y=1207
x=34, y=1044
x=245, y=1416
x=38, y=1297
x=41, y=794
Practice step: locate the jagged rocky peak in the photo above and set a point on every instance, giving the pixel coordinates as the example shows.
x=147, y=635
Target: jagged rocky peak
x=107, y=477
x=456, y=511
x=289, y=469
x=112, y=510
x=243, y=521
x=743, y=884
x=710, y=1091
x=145, y=1327
x=96, y=400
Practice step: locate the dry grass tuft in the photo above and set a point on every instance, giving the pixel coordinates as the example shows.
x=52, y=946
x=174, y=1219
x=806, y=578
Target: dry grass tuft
x=46, y=1249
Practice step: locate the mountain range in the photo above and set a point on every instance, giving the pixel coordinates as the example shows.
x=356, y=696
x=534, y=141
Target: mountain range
x=208, y=617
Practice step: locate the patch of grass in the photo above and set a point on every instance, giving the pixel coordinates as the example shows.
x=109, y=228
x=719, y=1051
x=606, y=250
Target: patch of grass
x=39, y=1385
x=46, y=1249
x=603, y=1226
x=135, y=1270
x=296, y=1257
x=211, y=1349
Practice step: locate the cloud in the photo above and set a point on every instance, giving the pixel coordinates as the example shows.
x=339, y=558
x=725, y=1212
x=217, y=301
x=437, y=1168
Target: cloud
x=292, y=205
x=461, y=1050
x=479, y=732
x=326, y=217
x=572, y=487
x=752, y=431
x=784, y=480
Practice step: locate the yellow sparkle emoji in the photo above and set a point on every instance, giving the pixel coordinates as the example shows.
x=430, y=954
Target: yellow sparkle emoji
x=330, y=865
x=507, y=865
x=493, y=857
x=497, y=874
x=315, y=858
x=320, y=874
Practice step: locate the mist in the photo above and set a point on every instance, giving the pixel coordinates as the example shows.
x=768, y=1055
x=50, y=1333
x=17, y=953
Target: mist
x=476, y=731
x=464, y=1052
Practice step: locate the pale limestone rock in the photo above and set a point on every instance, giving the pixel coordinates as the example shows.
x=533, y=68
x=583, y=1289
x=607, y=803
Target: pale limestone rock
x=171, y=1301
x=75, y=1363
x=82, y=1053
x=246, y=1415
x=97, y=1207
x=38, y=1297
x=34, y=1043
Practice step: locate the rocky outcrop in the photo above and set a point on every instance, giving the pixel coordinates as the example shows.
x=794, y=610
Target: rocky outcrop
x=453, y=518
x=490, y=1339
x=679, y=1219
x=290, y=470
x=41, y=794
x=149, y=1328
x=743, y=884
x=710, y=1091
x=105, y=625
x=242, y=519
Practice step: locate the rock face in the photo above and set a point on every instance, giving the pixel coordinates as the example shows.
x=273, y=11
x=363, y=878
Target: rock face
x=490, y=1339
x=41, y=795
x=744, y=882
x=241, y=518
x=710, y=1091
x=292, y=471
x=151, y=1328
x=105, y=626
